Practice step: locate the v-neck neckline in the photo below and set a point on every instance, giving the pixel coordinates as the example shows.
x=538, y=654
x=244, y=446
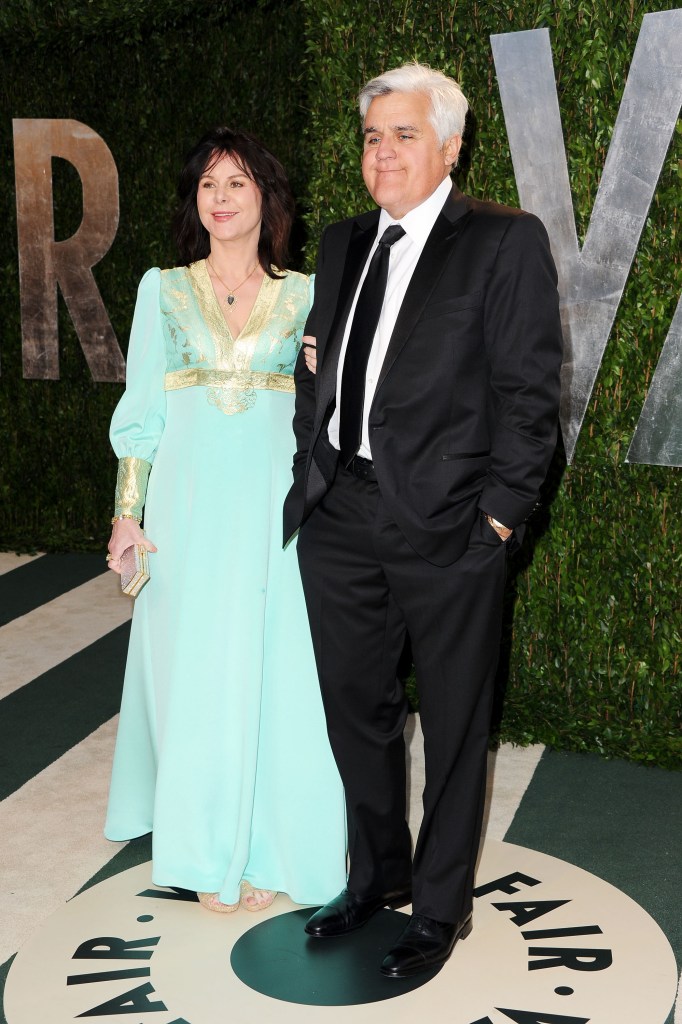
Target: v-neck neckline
x=232, y=353
x=217, y=306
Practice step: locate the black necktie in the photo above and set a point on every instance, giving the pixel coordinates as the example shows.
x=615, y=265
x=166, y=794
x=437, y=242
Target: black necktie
x=363, y=329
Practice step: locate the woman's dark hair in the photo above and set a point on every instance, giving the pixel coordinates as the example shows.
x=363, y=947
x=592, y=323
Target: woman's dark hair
x=277, y=202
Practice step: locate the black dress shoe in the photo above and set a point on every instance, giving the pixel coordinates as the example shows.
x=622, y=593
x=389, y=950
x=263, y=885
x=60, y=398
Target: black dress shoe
x=346, y=912
x=424, y=944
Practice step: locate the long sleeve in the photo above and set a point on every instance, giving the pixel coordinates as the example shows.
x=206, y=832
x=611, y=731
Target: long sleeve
x=139, y=417
x=304, y=414
x=524, y=346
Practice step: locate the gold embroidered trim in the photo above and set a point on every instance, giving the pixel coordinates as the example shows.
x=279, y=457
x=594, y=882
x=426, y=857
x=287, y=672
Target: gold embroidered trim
x=237, y=380
x=233, y=353
x=131, y=486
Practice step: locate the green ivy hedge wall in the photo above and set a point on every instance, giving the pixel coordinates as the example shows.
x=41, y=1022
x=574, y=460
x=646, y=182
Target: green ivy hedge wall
x=591, y=658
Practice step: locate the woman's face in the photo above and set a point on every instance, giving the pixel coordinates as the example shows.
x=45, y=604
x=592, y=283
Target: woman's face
x=229, y=203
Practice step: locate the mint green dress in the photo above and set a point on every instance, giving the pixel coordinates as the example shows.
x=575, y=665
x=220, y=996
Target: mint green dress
x=222, y=750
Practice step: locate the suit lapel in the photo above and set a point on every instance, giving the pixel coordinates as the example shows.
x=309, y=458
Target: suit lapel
x=356, y=256
x=427, y=273
x=320, y=470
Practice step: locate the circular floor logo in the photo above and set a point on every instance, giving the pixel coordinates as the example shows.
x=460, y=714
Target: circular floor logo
x=551, y=944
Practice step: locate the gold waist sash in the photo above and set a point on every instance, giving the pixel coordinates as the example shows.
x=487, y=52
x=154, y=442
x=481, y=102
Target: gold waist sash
x=231, y=379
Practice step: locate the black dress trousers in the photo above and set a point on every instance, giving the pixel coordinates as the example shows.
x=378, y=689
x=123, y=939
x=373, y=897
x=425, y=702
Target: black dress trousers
x=365, y=586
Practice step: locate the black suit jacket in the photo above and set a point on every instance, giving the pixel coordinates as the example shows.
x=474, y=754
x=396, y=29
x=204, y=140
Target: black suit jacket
x=465, y=411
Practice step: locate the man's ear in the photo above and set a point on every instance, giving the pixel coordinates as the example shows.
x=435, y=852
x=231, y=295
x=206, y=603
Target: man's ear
x=451, y=150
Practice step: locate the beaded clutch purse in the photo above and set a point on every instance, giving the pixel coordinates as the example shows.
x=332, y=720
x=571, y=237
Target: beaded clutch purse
x=134, y=569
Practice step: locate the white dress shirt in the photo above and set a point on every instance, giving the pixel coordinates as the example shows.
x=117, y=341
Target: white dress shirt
x=405, y=253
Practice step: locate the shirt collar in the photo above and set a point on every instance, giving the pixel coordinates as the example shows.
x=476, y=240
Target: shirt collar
x=419, y=222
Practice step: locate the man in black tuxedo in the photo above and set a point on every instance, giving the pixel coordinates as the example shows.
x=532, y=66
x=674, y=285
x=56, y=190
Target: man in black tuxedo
x=422, y=441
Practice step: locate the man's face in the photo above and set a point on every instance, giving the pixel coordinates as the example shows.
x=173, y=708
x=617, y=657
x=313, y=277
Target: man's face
x=403, y=162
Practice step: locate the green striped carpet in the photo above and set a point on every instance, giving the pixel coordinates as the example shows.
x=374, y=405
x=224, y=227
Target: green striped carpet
x=63, y=635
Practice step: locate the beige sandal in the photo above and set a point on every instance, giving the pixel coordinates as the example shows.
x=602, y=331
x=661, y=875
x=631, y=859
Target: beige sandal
x=255, y=899
x=211, y=902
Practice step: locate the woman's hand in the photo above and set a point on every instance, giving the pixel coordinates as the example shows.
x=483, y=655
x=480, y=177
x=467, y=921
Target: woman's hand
x=125, y=533
x=310, y=352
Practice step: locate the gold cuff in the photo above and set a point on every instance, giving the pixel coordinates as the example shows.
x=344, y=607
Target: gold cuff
x=131, y=487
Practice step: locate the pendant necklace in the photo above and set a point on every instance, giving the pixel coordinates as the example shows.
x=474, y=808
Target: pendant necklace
x=231, y=298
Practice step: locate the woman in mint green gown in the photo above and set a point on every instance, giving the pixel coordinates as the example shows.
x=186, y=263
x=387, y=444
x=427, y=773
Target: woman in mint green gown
x=222, y=750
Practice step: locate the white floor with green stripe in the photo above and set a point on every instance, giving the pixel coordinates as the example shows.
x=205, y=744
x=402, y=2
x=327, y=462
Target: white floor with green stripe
x=63, y=633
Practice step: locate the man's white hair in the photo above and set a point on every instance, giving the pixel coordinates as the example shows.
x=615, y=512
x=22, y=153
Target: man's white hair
x=448, y=103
